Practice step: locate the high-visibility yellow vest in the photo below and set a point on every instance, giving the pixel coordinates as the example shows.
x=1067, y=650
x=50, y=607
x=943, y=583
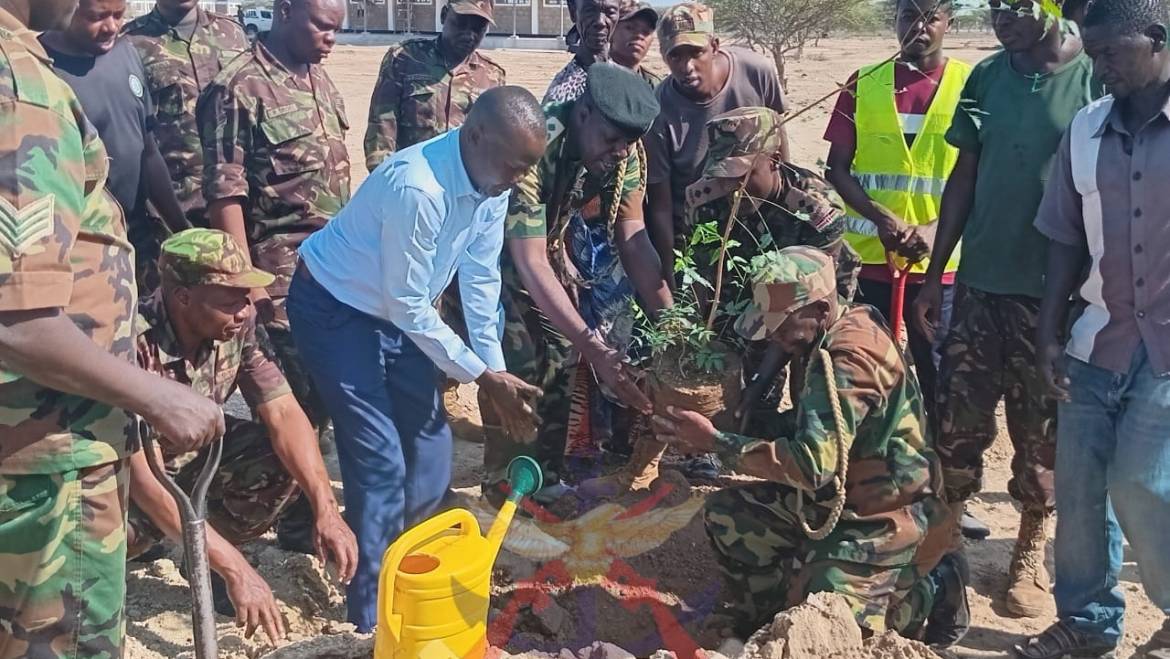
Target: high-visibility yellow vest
x=908, y=180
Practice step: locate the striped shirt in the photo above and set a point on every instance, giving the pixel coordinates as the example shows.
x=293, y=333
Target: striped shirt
x=1107, y=193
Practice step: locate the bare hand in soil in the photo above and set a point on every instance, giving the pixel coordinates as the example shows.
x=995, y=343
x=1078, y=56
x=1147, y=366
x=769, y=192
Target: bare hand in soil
x=335, y=543
x=686, y=429
x=514, y=401
x=622, y=379
x=255, y=604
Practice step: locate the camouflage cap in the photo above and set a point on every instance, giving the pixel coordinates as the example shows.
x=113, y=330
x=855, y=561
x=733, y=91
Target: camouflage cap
x=736, y=140
x=688, y=24
x=198, y=257
x=633, y=8
x=622, y=97
x=790, y=279
x=484, y=8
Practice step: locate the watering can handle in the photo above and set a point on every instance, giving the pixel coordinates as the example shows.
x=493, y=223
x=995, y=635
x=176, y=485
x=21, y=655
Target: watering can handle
x=425, y=531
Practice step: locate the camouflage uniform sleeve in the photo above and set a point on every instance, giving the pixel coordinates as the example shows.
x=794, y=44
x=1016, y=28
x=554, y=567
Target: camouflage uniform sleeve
x=260, y=379
x=633, y=187
x=42, y=200
x=382, y=126
x=526, y=209
x=809, y=459
x=225, y=129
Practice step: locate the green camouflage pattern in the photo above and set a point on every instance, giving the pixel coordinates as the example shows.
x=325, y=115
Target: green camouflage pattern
x=178, y=69
x=63, y=563
x=247, y=494
x=786, y=280
x=990, y=355
x=280, y=148
x=218, y=368
x=208, y=257
x=540, y=207
x=893, y=487
x=686, y=24
x=62, y=244
x=417, y=97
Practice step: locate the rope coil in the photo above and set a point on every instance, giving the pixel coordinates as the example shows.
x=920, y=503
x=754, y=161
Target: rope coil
x=837, y=503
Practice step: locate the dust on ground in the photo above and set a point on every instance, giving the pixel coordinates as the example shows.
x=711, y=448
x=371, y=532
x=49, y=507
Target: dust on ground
x=621, y=609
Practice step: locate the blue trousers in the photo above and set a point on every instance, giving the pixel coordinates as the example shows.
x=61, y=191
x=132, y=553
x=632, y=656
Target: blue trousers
x=1113, y=447
x=393, y=442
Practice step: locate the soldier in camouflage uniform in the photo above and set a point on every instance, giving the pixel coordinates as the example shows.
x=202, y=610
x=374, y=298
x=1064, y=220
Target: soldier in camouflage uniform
x=426, y=86
x=782, y=205
x=183, y=48
x=632, y=38
x=198, y=329
x=591, y=177
x=68, y=384
x=859, y=417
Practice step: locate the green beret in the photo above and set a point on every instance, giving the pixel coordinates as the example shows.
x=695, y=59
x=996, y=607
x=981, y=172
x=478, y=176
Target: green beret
x=623, y=97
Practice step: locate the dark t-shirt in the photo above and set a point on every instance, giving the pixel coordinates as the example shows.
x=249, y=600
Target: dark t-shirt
x=112, y=91
x=677, y=144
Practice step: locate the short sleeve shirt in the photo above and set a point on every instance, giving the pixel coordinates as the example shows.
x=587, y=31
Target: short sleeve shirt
x=276, y=142
x=63, y=246
x=1014, y=122
x=112, y=91
x=677, y=143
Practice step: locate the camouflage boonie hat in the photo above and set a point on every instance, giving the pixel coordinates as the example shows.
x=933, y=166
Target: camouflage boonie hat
x=792, y=278
x=484, y=8
x=633, y=8
x=207, y=257
x=737, y=140
x=688, y=24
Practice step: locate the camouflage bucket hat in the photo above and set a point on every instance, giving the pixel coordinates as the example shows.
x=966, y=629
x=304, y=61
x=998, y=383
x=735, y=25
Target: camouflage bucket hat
x=483, y=8
x=736, y=140
x=201, y=257
x=790, y=279
x=688, y=24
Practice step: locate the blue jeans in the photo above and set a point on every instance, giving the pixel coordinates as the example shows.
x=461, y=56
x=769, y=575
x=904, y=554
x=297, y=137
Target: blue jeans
x=393, y=442
x=1113, y=448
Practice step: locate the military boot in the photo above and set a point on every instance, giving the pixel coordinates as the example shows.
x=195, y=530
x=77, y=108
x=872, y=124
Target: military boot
x=1027, y=594
x=637, y=474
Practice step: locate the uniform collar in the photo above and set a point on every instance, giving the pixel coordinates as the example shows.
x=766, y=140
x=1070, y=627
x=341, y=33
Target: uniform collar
x=20, y=33
x=272, y=66
x=471, y=64
x=202, y=19
x=1112, y=120
x=161, y=334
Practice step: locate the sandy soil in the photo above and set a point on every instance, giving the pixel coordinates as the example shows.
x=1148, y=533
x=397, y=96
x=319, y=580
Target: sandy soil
x=671, y=587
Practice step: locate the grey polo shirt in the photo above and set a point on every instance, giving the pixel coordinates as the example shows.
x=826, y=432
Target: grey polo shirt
x=1108, y=193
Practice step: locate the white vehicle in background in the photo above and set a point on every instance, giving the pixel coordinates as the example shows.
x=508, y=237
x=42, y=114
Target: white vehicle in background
x=257, y=22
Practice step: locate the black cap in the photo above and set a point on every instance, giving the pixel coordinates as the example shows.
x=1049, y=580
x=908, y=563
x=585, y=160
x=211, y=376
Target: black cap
x=623, y=97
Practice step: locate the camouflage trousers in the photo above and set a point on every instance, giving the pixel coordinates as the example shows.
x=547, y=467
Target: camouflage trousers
x=990, y=354
x=63, y=563
x=880, y=563
x=539, y=354
x=248, y=493
x=279, y=339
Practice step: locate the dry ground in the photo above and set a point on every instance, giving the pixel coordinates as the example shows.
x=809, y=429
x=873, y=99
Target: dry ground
x=684, y=579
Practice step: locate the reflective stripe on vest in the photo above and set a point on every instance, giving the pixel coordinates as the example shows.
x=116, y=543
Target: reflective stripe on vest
x=908, y=180
x=1084, y=148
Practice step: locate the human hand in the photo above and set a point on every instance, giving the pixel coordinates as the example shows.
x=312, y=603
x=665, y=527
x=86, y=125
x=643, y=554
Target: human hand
x=621, y=378
x=265, y=309
x=686, y=429
x=184, y=420
x=514, y=401
x=335, y=543
x=255, y=604
x=927, y=307
x=1050, y=356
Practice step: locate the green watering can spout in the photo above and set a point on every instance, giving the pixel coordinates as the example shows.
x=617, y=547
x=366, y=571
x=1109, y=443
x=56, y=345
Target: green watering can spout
x=524, y=477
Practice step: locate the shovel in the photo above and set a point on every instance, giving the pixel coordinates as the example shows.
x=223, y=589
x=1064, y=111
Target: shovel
x=899, y=268
x=193, y=512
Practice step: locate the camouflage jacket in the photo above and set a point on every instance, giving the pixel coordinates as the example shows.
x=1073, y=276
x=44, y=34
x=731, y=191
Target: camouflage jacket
x=891, y=463
x=279, y=146
x=62, y=244
x=177, y=71
x=417, y=97
x=558, y=185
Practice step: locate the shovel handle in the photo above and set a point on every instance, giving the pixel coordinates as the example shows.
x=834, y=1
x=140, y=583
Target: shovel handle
x=899, y=268
x=192, y=512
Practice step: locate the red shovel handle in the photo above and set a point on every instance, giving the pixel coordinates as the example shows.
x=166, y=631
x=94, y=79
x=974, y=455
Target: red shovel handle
x=898, y=298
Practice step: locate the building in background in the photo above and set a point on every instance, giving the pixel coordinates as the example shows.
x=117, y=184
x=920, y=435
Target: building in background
x=545, y=18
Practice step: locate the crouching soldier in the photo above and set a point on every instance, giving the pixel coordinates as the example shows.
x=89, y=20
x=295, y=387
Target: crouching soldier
x=199, y=329
x=850, y=502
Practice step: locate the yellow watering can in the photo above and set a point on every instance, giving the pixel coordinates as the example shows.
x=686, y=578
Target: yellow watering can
x=433, y=590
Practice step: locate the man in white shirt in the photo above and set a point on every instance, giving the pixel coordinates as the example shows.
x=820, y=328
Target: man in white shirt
x=362, y=311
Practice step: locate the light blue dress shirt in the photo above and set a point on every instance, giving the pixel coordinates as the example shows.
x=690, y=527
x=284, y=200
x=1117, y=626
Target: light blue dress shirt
x=393, y=249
